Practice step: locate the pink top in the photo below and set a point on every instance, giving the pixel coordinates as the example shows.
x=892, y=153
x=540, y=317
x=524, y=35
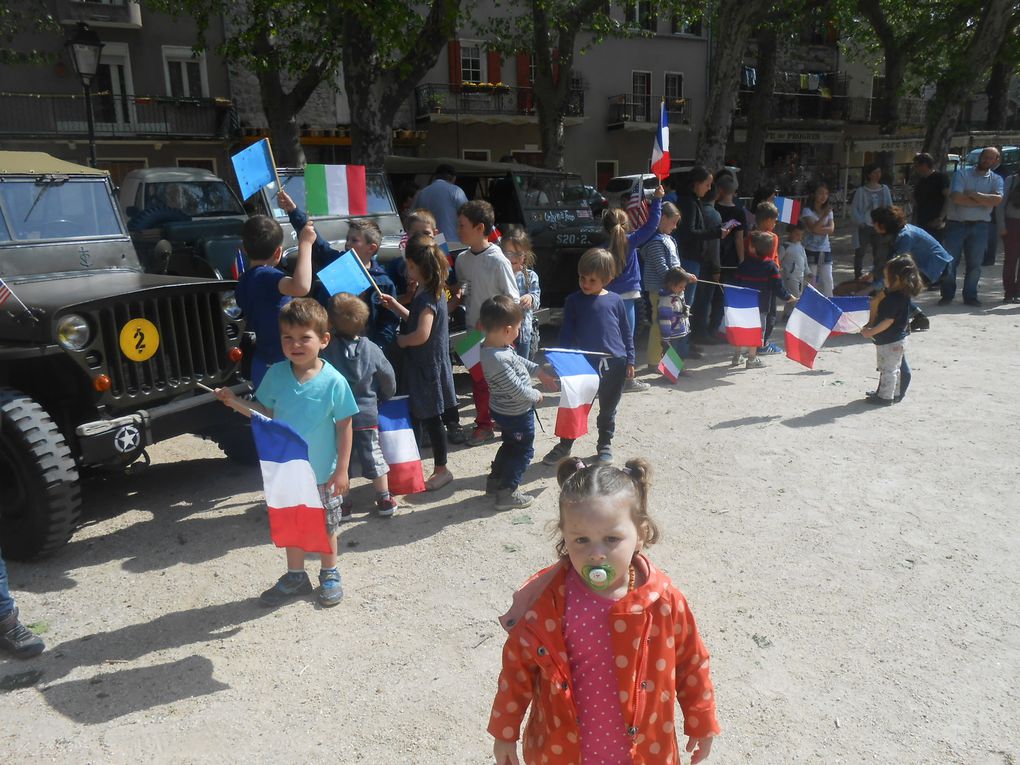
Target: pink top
x=604, y=738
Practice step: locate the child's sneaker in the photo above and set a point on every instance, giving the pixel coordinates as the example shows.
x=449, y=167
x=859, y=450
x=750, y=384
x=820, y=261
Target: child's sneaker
x=754, y=363
x=287, y=587
x=605, y=455
x=385, y=507
x=346, y=511
x=455, y=434
x=330, y=590
x=555, y=454
x=481, y=436
x=17, y=639
x=513, y=499
x=633, y=385
x=737, y=359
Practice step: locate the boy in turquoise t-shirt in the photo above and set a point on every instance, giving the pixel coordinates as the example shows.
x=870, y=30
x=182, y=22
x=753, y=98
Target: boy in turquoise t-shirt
x=308, y=394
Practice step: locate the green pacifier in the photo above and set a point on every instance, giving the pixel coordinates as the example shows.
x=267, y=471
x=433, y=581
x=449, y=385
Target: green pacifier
x=599, y=577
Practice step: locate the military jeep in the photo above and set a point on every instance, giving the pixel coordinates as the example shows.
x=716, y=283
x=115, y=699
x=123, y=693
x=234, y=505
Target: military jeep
x=98, y=359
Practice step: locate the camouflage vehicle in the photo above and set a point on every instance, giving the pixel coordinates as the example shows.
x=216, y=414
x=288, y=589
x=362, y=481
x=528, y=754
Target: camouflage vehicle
x=98, y=359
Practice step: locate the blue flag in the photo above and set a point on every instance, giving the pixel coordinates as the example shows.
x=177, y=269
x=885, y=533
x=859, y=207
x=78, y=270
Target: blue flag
x=253, y=167
x=345, y=274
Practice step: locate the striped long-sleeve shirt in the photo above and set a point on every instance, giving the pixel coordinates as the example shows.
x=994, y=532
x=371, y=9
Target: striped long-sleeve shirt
x=509, y=379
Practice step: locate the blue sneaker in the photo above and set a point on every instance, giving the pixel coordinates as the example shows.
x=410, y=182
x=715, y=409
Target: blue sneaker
x=330, y=591
x=287, y=587
x=770, y=348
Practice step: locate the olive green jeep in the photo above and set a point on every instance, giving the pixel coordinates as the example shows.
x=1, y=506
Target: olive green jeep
x=98, y=359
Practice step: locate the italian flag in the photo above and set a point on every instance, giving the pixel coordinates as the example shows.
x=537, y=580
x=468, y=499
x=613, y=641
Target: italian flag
x=336, y=190
x=671, y=365
x=469, y=348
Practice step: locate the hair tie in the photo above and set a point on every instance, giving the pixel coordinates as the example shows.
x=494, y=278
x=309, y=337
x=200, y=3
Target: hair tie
x=579, y=463
x=628, y=471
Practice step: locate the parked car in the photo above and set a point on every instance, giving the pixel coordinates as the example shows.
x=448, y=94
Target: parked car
x=561, y=227
x=98, y=359
x=620, y=187
x=1009, y=161
x=183, y=220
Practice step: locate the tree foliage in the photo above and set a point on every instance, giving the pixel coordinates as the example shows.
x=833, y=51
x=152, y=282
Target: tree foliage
x=17, y=18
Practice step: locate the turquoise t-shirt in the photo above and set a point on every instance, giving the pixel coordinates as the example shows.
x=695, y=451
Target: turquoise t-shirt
x=312, y=409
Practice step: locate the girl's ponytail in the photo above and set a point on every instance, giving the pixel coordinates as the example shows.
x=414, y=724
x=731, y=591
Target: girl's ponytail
x=567, y=468
x=640, y=472
x=615, y=222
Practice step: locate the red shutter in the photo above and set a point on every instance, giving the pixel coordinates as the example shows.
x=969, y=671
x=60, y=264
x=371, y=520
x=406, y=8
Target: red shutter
x=453, y=52
x=524, y=82
x=495, y=62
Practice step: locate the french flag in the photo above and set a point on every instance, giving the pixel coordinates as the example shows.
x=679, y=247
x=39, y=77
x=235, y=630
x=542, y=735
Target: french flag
x=579, y=384
x=237, y=267
x=660, y=151
x=789, y=210
x=809, y=326
x=296, y=515
x=400, y=450
x=743, y=322
x=469, y=348
x=856, y=313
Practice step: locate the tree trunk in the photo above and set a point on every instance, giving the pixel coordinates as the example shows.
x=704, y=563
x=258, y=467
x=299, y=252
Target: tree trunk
x=895, y=69
x=733, y=31
x=284, y=134
x=998, y=94
x=761, y=109
x=960, y=81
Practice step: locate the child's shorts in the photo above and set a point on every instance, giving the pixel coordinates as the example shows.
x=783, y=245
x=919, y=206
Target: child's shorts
x=331, y=502
x=367, y=453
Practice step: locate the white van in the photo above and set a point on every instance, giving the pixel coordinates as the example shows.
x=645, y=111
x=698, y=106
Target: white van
x=619, y=188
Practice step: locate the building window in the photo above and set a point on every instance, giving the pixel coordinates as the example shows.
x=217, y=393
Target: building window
x=114, y=81
x=641, y=95
x=479, y=155
x=605, y=170
x=673, y=86
x=639, y=14
x=184, y=72
x=471, y=69
x=681, y=27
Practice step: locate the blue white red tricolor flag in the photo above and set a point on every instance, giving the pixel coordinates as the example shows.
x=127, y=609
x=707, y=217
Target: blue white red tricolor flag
x=743, y=321
x=856, y=312
x=296, y=515
x=400, y=450
x=237, y=268
x=636, y=206
x=789, y=210
x=809, y=326
x=660, y=151
x=469, y=348
x=579, y=385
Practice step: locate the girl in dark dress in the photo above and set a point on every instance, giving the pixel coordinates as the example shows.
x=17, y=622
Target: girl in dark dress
x=425, y=340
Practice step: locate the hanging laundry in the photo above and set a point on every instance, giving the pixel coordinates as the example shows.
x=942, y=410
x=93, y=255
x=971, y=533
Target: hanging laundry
x=812, y=82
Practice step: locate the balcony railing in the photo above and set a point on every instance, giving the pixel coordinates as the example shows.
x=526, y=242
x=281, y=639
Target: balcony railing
x=628, y=107
x=842, y=108
x=122, y=14
x=484, y=99
x=117, y=116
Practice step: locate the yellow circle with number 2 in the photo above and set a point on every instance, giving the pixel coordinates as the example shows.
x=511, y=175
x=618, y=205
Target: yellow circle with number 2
x=139, y=339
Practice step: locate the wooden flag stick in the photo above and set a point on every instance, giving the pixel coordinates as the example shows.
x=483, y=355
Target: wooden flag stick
x=272, y=161
x=204, y=387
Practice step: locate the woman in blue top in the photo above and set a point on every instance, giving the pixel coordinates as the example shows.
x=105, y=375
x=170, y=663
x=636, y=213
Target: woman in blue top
x=623, y=244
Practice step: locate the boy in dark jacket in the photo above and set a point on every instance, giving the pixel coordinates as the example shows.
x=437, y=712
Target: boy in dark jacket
x=759, y=272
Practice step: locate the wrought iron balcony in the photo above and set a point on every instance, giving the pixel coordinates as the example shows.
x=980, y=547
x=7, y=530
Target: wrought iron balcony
x=628, y=108
x=491, y=102
x=34, y=115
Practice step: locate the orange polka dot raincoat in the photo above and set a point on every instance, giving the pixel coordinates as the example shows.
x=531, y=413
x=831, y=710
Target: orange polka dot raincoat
x=659, y=658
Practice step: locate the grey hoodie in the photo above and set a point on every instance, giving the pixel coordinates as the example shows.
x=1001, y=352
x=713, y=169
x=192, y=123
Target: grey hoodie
x=367, y=371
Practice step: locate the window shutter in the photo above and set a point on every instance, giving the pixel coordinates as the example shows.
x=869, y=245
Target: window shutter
x=453, y=51
x=495, y=65
x=524, y=82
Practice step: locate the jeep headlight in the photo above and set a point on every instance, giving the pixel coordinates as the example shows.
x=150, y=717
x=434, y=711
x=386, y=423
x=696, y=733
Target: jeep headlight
x=73, y=332
x=230, y=306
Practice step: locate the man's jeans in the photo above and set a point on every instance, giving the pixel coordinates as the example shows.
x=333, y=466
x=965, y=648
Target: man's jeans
x=6, y=601
x=517, y=449
x=967, y=242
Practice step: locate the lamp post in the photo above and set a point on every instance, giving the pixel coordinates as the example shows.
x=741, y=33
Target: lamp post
x=85, y=49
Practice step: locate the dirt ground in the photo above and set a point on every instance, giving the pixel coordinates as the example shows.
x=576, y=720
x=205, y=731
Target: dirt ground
x=852, y=570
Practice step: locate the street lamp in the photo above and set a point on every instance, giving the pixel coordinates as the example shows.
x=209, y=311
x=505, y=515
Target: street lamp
x=85, y=49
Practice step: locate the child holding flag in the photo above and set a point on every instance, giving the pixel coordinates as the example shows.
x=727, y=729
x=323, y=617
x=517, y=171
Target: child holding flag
x=888, y=329
x=483, y=272
x=596, y=320
x=425, y=341
x=513, y=400
x=673, y=314
x=793, y=261
x=759, y=272
x=516, y=246
x=263, y=289
x=308, y=394
x=370, y=376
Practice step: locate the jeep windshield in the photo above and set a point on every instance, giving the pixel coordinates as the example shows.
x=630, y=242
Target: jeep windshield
x=379, y=200
x=56, y=207
x=551, y=199
x=197, y=199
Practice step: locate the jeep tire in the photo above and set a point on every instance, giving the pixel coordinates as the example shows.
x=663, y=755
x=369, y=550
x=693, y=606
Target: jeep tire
x=40, y=502
x=236, y=441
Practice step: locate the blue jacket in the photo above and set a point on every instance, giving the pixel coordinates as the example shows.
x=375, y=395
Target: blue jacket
x=630, y=279
x=382, y=324
x=930, y=256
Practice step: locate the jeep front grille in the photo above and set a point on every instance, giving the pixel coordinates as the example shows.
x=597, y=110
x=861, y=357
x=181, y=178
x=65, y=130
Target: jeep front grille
x=192, y=343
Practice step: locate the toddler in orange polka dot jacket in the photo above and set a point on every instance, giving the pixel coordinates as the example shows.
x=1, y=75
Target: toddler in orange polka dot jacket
x=601, y=643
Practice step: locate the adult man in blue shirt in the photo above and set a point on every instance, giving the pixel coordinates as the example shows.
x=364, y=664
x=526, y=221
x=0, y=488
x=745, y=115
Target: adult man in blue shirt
x=973, y=194
x=443, y=198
